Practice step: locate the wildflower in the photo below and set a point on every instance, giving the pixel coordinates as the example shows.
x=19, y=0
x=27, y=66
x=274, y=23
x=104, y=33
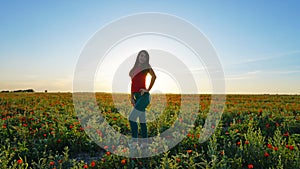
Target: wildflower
x=238, y=143
x=85, y=166
x=58, y=140
x=52, y=163
x=291, y=147
x=20, y=161
x=178, y=160
x=275, y=148
x=286, y=134
x=269, y=146
x=105, y=147
x=189, y=151
x=93, y=164
x=266, y=154
x=108, y=153
x=250, y=166
x=71, y=126
x=123, y=161
x=24, y=125
x=246, y=142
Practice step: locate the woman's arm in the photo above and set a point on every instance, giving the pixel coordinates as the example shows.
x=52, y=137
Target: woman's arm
x=153, y=77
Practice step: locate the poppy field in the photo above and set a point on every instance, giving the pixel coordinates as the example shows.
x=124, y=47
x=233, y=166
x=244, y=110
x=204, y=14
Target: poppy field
x=42, y=130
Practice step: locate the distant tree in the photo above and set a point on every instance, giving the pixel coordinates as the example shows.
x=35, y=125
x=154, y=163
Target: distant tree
x=46, y=91
x=27, y=90
x=5, y=91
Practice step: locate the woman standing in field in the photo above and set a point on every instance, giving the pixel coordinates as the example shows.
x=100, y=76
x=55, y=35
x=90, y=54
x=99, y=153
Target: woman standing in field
x=140, y=97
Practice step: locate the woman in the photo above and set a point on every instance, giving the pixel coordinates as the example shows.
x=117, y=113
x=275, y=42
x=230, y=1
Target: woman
x=140, y=97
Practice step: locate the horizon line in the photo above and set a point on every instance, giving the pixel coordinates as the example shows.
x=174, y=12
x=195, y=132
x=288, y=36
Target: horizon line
x=229, y=93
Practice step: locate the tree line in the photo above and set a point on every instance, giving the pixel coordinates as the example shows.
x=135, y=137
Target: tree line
x=15, y=91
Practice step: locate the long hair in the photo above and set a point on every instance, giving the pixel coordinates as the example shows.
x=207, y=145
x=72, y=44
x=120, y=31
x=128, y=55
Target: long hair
x=145, y=66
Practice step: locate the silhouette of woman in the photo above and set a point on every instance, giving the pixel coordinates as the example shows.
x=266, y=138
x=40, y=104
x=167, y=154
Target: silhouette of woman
x=140, y=97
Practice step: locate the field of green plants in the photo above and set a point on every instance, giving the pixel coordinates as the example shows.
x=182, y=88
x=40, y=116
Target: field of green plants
x=42, y=130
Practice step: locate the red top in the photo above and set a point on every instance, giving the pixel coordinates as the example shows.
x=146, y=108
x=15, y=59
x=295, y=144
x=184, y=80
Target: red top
x=138, y=80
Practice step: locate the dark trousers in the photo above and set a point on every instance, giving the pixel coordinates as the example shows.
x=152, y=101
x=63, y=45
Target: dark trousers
x=139, y=111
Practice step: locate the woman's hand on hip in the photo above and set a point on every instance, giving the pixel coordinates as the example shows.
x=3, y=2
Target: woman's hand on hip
x=143, y=91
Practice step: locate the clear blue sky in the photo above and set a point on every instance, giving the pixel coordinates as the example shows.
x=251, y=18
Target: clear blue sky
x=258, y=42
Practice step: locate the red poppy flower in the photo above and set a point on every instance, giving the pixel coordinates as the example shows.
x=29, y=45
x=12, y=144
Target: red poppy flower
x=52, y=163
x=123, y=161
x=20, y=161
x=266, y=154
x=269, y=146
x=93, y=164
x=250, y=166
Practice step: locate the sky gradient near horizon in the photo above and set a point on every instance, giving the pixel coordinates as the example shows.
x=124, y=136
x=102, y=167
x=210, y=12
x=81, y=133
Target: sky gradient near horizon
x=257, y=41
